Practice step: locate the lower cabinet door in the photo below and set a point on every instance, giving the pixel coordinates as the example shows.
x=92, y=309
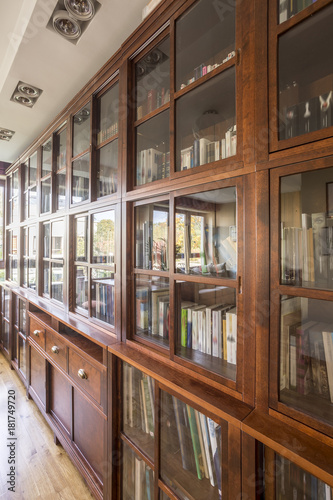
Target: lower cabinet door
x=60, y=399
x=38, y=375
x=89, y=425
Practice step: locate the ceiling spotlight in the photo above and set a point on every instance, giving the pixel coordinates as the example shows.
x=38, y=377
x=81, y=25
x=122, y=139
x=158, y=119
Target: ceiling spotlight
x=83, y=10
x=5, y=134
x=66, y=25
x=25, y=100
x=28, y=90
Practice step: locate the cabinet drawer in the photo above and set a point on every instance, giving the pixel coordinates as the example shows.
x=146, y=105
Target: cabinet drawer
x=56, y=349
x=37, y=332
x=85, y=374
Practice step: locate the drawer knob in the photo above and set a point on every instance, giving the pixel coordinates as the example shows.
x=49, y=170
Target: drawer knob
x=55, y=349
x=82, y=374
x=36, y=333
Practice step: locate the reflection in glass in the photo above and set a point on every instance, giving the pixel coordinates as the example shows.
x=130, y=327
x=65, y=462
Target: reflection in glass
x=33, y=169
x=153, y=149
x=108, y=114
x=22, y=317
x=46, y=278
x=108, y=169
x=61, y=191
x=138, y=403
x=47, y=157
x=33, y=202
x=46, y=246
x=22, y=357
x=103, y=237
x=152, y=236
x=57, y=279
x=102, y=295
x=205, y=39
x=206, y=233
x=81, y=232
x=207, y=326
x=206, y=123
x=152, y=308
x=194, y=443
x=81, y=287
x=81, y=130
x=61, y=149
x=137, y=477
x=80, y=179
x=5, y=335
x=46, y=195
x=305, y=90
x=57, y=242
x=306, y=209
x=306, y=347
x=153, y=79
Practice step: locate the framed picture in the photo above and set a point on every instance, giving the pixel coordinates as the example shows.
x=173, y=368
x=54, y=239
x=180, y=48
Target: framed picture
x=329, y=198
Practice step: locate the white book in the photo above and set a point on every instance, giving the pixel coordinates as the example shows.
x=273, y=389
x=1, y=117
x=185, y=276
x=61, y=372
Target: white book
x=207, y=448
x=223, y=152
x=231, y=326
x=217, y=150
x=228, y=144
x=203, y=150
x=195, y=329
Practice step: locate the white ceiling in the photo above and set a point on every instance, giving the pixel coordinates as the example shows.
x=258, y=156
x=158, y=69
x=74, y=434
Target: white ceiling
x=33, y=54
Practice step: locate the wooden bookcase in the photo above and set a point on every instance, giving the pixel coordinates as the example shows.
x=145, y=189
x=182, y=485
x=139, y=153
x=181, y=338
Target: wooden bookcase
x=171, y=231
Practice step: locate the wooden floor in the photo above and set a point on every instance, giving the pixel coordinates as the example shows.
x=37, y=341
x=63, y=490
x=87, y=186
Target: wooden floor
x=43, y=470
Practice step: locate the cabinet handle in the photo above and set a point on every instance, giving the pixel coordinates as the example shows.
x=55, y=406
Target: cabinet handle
x=55, y=349
x=82, y=374
x=36, y=333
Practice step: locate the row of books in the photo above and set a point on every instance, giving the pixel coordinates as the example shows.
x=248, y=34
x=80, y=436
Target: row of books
x=106, y=133
x=306, y=353
x=150, y=253
x=108, y=184
x=138, y=400
x=138, y=479
x=153, y=310
x=307, y=252
x=294, y=482
x=204, y=69
x=210, y=329
x=199, y=443
x=289, y=8
x=152, y=165
x=303, y=117
x=205, y=151
x=155, y=99
x=105, y=300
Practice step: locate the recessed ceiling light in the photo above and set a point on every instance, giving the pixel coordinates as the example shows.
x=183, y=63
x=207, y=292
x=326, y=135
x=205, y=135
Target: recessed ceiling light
x=6, y=134
x=84, y=10
x=28, y=90
x=66, y=25
x=26, y=94
x=25, y=100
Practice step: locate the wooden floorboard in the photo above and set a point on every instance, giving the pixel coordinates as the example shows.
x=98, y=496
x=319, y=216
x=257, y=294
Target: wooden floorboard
x=43, y=470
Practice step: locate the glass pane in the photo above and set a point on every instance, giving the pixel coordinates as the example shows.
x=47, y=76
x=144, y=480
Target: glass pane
x=57, y=242
x=32, y=274
x=137, y=477
x=80, y=179
x=305, y=90
x=32, y=241
x=9, y=212
x=153, y=149
x=2, y=220
x=152, y=236
x=33, y=202
x=153, y=79
x=22, y=317
x=6, y=303
x=47, y=157
x=207, y=327
x=61, y=191
x=107, y=172
x=306, y=356
x=15, y=183
x=206, y=123
x=46, y=246
x=138, y=408
x=206, y=233
x=26, y=205
x=46, y=195
x=57, y=279
x=108, y=114
x=306, y=202
x=25, y=170
x=25, y=271
x=46, y=278
x=152, y=309
x=205, y=38
x=33, y=169
x=15, y=210
x=194, y=443
x=103, y=237
x=81, y=287
x=22, y=357
x=288, y=8
x=5, y=335
x=81, y=238
x=81, y=130
x=61, y=149
x=103, y=296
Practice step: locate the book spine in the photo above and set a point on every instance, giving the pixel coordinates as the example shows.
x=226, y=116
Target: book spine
x=195, y=442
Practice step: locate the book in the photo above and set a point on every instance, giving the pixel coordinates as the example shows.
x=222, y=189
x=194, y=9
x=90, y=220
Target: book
x=195, y=326
x=155, y=296
x=183, y=434
x=201, y=442
x=320, y=385
x=290, y=315
x=328, y=350
x=212, y=426
x=303, y=368
x=231, y=333
x=207, y=447
x=195, y=442
x=320, y=246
